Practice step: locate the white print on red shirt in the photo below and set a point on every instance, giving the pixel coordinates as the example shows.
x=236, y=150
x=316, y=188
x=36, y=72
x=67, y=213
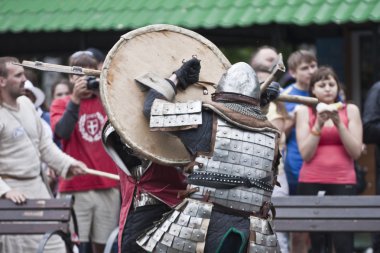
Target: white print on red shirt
x=90, y=126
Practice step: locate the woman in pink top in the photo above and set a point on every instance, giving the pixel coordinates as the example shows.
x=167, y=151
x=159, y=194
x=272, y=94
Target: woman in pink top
x=329, y=139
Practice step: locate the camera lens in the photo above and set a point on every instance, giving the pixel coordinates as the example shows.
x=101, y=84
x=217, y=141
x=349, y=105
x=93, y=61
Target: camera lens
x=92, y=83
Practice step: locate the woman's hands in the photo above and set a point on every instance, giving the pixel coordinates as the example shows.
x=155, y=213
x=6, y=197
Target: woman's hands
x=334, y=116
x=326, y=112
x=322, y=117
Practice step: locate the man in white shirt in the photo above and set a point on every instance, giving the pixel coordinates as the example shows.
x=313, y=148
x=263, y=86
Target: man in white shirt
x=24, y=144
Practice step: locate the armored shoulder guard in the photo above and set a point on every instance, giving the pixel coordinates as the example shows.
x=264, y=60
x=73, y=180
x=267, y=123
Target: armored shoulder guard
x=166, y=116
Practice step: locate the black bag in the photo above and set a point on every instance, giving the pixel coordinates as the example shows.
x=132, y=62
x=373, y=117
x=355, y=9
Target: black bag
x=361, y=182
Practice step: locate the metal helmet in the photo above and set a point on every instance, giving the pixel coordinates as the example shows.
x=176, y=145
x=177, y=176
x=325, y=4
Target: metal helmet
x=240, y=78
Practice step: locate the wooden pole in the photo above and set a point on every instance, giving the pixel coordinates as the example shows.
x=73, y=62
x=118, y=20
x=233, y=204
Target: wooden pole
x=279, y=66
x=298, y=99
x=74, y=70
x=102, y=174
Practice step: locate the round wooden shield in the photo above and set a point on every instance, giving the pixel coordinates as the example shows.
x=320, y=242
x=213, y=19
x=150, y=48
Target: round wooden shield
x=158, y=49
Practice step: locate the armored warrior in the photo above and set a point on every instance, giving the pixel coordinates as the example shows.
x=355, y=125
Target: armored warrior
x=233, y=171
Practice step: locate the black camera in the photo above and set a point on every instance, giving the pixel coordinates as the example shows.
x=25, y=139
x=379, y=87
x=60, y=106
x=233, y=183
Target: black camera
x=92, y=83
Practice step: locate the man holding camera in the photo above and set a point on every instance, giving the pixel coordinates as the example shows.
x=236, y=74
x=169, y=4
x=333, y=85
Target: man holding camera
x=78, y=120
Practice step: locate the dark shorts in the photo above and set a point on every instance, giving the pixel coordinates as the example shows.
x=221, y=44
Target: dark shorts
x=137, y=222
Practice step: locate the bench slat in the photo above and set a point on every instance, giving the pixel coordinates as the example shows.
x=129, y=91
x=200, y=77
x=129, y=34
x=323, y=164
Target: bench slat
x=324, y=212
x=331, y=201
x=37, y=204
x=25, y=228
x=327, y=213
x=34, y=215
x=370, y=225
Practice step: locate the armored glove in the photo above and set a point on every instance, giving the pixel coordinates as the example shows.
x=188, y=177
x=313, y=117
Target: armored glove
x=270, y=94
x=188, y=73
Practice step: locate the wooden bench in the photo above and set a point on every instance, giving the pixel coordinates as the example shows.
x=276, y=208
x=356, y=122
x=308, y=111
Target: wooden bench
x=38, y=216
x=327, y=213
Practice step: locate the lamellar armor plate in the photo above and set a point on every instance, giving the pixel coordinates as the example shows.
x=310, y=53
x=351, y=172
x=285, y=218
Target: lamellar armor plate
x=167, y=115
x=182, y=230
x=239, y=174
x=185, y=228
x=262, y=239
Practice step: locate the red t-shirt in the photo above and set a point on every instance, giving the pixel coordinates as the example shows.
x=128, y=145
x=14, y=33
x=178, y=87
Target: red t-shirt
x=161, y=181
x=331, y=163
x=85, y=144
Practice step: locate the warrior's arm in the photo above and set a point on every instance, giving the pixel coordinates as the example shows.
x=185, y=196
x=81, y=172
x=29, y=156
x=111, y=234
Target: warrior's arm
x=166, y=89
x=152, y=94
x=194, y=138
x=183, y=77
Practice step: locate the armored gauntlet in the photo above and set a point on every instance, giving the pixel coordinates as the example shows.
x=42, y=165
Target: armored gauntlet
x=270, y=94
x=188, y=73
